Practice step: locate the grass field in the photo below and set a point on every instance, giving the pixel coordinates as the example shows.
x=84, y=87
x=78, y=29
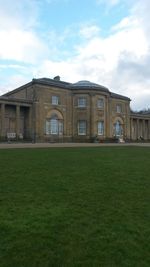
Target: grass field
x=67, y=207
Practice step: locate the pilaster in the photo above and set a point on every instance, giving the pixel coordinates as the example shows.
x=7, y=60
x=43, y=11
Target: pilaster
x=17, y=120
x=2, y=120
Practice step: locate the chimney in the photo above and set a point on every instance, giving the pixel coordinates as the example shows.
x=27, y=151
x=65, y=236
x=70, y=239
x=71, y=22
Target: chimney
x=57, y=78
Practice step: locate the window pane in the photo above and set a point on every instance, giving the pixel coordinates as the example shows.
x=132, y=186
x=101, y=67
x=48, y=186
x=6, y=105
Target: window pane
x=60, y=128
x=54, y=100
x=100, y=128
x=54, y=126
x=100, y=103
x=118, y=129
x=118, y=108
x=47, y=127
x=82, y=102
x=82, y=128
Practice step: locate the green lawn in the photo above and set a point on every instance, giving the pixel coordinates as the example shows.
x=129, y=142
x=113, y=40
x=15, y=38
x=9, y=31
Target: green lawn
x=67, y=207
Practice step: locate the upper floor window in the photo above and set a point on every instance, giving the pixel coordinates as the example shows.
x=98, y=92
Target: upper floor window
x=55, y=100
x=100, y=103
x=100, y=128
x=81, y=102
x=81, y=127
x=119, y=108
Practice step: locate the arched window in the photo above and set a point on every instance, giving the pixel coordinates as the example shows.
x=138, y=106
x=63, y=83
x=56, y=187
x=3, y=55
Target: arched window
x=118, y=128
x=54, y=126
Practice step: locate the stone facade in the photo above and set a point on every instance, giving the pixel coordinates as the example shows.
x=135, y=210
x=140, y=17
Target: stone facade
x=50, y=110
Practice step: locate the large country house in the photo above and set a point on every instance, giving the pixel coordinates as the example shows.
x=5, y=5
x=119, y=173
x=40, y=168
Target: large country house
x=51, y=110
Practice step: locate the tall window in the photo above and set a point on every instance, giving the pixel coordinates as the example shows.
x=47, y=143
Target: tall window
x=54, y=126
x=81, y=127
x=100, y=103
x=55, y=100
x=81, y=102
x=119, y=108
x=100, y=128
x=118, y=129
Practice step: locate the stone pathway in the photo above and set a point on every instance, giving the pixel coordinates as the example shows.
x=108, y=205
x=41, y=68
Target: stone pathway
x=49, y=145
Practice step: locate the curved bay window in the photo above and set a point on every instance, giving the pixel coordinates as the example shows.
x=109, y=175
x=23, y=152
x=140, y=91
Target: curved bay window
x=54, y=126
x=118, y=130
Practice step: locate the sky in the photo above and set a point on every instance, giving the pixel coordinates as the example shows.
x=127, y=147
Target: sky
x=102, y=41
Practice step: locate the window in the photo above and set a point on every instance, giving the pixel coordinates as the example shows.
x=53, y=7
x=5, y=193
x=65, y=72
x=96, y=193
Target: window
x=82, y=128
x=118, y=129
x=100, y=103
x=55, y=100
x=100, y=128
x=81, y=102
x=118, y=108
x=54, y=126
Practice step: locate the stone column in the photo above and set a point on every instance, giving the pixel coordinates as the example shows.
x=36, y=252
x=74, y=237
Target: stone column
x=107, y=118
x=137, y=129
x=131, y=122
x=17, y=120
x=143, y=129
x=91, y=130
x=149, y=129
x=29, y=130
x=3, y=120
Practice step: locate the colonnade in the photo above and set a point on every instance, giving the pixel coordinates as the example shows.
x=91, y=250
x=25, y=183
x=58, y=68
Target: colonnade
x=17, y=130
x=140, y=128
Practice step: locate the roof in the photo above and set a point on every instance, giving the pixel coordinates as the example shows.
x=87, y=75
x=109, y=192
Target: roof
x=84, y=84
x=113, y=95
x=48, y=81
x=80, y=85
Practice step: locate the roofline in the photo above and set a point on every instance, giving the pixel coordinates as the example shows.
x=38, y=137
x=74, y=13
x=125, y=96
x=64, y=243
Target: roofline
x=114, y=95
x=137, y=115
x=19, y=100
x=66, y=85
x=18, y=89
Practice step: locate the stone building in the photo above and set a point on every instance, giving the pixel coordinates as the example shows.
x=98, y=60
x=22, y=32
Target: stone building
x=51, y=110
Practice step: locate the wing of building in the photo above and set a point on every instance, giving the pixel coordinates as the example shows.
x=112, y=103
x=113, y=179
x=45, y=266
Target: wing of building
x=51, y=110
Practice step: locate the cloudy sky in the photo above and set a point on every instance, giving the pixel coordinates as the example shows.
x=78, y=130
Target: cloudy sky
x=104, y=41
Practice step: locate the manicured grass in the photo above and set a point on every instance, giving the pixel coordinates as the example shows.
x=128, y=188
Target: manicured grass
x=75, y=207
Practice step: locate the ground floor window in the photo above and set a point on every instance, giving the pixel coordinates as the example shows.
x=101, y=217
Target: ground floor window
x=82, y=127
x=100, y=128
x=118, y=131
x=54, y=126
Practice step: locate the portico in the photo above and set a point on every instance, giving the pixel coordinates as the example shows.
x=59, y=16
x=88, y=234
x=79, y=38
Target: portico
x=140, y=127
x=16, y=118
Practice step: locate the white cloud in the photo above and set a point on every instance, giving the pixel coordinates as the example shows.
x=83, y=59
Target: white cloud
x=20, y=14
x=21, y=45
x=14, y=81
x=89, y=31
